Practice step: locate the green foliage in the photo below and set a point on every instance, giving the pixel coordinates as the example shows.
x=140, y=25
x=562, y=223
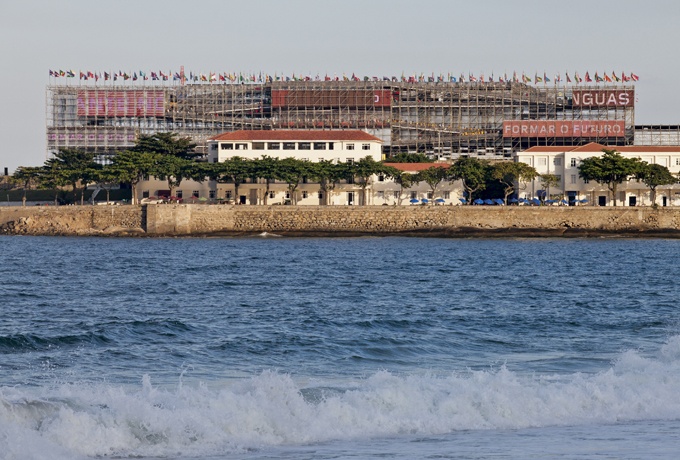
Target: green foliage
x=512, y=176
x=409, y=158
x=610, y=169
x=653, y=176
x=166, y=144
x=130, y=167
x=328, y=174
x=433, y=176
x=473, y=174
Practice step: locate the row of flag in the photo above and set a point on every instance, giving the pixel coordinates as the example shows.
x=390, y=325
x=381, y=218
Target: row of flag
x=212, y=77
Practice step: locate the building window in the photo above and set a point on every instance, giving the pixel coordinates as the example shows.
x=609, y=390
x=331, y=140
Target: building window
x=228, y=146
x=274, y=146
x=211, y=194
x=241, y=146
x=213, y=146
x=194, y=194
x=305, y=179
x=365, y=146
x=304, y=145
x=304, y=194
x=350, y=147
x=396, y=194
x=585, y=181
x=414, y=195
x=349, y=161
x=321, y=195
x=430, y=195
x=381, y=178
x=573, y=178
x=319, y=146
x=557, y=161
x=573, y=162
x=289, y=146
x=178, y=193
x=227, y=195
x=330, y=146
x=258, y=145
x=145, y=194
x=287, y=195
x=447, y=195
x=542, y=161
x=677, y=161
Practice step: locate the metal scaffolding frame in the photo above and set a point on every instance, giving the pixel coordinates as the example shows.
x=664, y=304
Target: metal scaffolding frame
x=447, y=118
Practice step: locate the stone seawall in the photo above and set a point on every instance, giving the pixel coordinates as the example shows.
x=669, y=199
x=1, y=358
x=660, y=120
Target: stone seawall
x=71, y=220
x=201, y=220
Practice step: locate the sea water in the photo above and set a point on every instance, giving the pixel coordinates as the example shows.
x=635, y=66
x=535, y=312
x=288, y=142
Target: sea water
x=339, y=348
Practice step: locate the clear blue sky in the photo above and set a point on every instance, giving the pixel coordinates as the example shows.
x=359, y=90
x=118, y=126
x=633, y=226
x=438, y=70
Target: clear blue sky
x=367, y=37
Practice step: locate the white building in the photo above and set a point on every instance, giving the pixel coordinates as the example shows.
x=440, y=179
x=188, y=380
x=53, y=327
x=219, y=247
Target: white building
x=338, y=146
x=564, y=162
x=332, y=145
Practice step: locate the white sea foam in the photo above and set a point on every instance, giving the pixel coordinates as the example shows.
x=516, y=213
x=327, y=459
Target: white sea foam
x=273, y=409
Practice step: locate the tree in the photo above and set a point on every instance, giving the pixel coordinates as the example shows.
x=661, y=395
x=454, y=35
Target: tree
x=292, y=171
x=76, y=167
x=547, y=181
x=409, y=158
x=654, y=175
x=610, y=169
x=405, y=181
x=362, y=171
x=432, y=176
x=267, y=168
x=235, y=170
x=328, y=174
x=472, y=172
x=166, y=144
x=130, y=167
x=513, y=176
x=25, y=176
x=173, y=170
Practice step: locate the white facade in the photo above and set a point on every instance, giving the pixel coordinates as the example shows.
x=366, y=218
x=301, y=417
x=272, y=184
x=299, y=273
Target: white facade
x=565, y=161
x=315, y=146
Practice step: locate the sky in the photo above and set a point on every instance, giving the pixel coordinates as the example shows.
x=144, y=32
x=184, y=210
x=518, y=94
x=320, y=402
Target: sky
x=365, y=37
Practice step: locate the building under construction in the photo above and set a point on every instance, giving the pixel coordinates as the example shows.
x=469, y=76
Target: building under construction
x=439, y=118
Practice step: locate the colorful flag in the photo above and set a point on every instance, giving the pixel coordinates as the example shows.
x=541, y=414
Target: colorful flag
x=634, y=77
x=598, y=79
x=615, y=77
x=568, y=78
x=588, y=79
x=625, y=77
x=607, y=78
x=545, y=78
x=537, y=79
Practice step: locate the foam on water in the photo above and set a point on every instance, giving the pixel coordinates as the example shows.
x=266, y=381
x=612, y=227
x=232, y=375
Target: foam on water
x=273, y=409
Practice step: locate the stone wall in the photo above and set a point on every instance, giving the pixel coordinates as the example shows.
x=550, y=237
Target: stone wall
x=435, y=220
x=187, y=219
x=71, y=220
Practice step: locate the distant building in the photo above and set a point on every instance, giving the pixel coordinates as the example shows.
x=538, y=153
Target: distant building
x=564, y=162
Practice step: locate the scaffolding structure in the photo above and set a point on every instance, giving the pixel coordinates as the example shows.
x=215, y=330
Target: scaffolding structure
x=441, y=118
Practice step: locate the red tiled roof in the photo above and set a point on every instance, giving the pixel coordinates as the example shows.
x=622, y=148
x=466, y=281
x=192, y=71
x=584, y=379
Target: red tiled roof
x=296, y=135
x=416, y=166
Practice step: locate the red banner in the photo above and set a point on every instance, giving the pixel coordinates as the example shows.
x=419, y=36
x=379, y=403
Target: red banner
x=122, y=103
x=603, y=98
x=559, y=128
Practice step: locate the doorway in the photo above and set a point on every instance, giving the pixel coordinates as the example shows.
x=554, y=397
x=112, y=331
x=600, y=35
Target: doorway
x=350, y=198
x=602, y=200
x=632, y=201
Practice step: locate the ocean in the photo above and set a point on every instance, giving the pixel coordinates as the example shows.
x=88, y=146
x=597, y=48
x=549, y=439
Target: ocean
x=339, y=348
